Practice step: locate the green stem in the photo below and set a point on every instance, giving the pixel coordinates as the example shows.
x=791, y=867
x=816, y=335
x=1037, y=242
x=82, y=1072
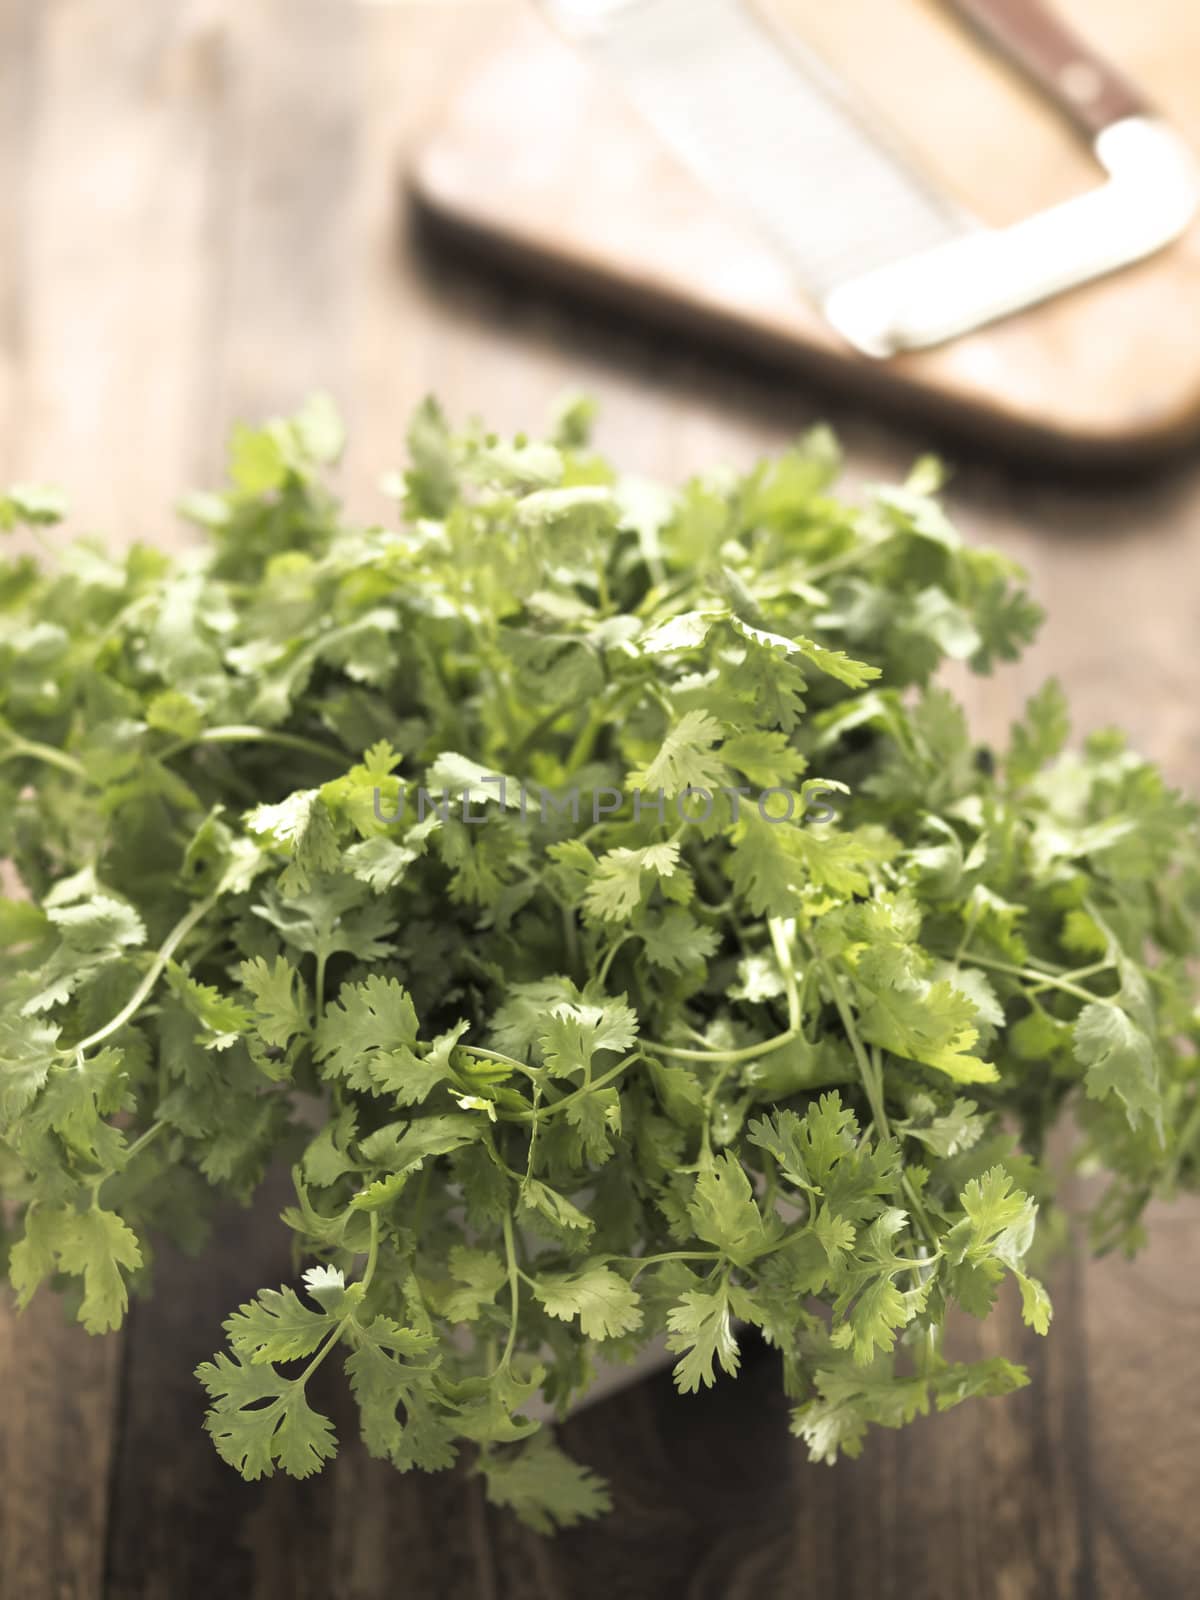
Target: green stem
x=1083, y=972
x=1044, y=980
x=514, y=1290
x=606, y=964
x=157, y=967
x=590, y=1088
x=787, y=968
x=372, y=1252
x=484, y=1054
x=319, y=986
x=134, y=1150
x=871, y=1072
x=246, y=734
x=748, y=1053
x=140, y=1143
x=337, y=1332
x=571, y=940
x=30, y=749
x=642, y=1262
x=541, y=726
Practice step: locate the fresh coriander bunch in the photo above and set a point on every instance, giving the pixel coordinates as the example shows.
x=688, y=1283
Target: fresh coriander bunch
x=588, y=891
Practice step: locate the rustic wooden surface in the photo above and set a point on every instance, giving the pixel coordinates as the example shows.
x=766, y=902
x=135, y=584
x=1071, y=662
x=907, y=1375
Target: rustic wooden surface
x=200, y=221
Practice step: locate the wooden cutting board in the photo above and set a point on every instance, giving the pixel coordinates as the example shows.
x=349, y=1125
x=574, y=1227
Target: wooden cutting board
x=536, y=157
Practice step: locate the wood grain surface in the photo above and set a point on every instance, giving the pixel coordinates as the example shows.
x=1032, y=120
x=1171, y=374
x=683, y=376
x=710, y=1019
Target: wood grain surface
x=201, y=219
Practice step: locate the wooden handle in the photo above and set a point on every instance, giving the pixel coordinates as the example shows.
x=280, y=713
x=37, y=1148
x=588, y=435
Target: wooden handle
x=1091, y=93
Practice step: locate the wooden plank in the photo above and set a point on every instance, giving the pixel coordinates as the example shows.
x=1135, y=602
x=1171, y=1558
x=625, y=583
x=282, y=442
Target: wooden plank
x=1143, y=1342
x=59, y=1386
x=60, y=1390
x=119, y=291
x=18, y=60
x=184, y=1524
x=714, y=1499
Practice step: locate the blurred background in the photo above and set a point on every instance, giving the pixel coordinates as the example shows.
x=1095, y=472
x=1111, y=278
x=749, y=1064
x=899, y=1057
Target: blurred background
x=210, y=208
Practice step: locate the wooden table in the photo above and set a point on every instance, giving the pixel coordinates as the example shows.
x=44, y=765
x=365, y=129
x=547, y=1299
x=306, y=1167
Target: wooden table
x=201, y=220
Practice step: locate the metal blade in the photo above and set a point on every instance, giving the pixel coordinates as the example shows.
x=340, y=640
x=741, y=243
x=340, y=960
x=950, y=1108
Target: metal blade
x=765, y=125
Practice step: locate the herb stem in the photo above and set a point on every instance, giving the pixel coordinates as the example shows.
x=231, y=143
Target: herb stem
x=871, y=1071
x=747, y=1053
x=144, y=1139
x=132, y=1152
x=485, y=1054
x=337, y=1332
x=642, y=1262
x=781, y=935
x=237, y=733
x=589, y=1088
x=34, y=751
x=514, y=1290
x=319, y=985
x=1044, y=980
x=372, y=1252
x=606, y=964
x=157, y=967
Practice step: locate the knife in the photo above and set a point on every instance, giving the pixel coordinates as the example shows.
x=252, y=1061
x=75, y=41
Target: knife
x=892, y=262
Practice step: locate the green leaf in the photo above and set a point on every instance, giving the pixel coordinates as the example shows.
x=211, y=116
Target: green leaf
x=222, y=1020
x=701, y=1327
x=301, y=829
x=835, y=663
x=603, y=1301
x=27, y=1052
x=32, y=505
x=1120, y=1060
x=544, y=1487
x=555, y=1207
x=685, y=759
x=279, y=1013
x=675, y=941
x=848, y=1401
x=479, y=1277
x=385, y=1386
x=368, y=1034
x=96, y=1245
x=402, y=1145
x=1040, y=735
x=617, y=885
x=259, y=1421
x=950, y=1133
x=930, y=1024
x=574, y=1034
x=723, y=1211
x=276, y=1326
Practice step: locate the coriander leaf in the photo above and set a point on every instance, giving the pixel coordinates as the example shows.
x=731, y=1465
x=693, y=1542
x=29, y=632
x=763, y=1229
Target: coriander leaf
x=258, y=1421
x=279, y=1014
x=700, y=1326
x=685, y=759
x=573, y=1034
x=96, y=1245
x=603, y=1301
x=723, y=1211
x=1120, y=1060
x=544, y=1487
